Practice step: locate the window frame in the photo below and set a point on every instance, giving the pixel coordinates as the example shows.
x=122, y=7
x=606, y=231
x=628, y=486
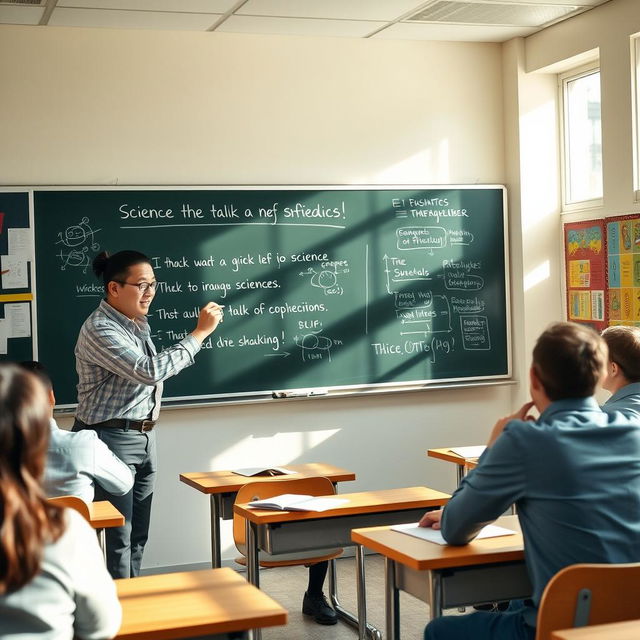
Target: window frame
x=563, y=80
x=635, y=111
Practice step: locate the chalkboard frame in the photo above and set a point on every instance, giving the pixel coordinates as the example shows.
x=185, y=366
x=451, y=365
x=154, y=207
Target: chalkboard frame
x=307, y=392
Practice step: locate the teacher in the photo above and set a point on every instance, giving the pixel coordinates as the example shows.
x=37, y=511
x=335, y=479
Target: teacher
x=120, y=387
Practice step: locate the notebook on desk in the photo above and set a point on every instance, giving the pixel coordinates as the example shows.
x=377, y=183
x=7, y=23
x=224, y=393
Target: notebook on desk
x=263, y=471
x=297, y=502
x=435, y=535
x=469, y=452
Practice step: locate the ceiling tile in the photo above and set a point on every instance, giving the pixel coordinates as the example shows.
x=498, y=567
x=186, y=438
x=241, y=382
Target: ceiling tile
x=335, y=9
x=453, y=33
x=299, y=26
x=183, y=6
x=113, y=19
x=20, y=15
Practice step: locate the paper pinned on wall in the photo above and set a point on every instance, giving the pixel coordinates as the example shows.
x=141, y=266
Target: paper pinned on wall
x=17, y=314
x=16, y=272
x=4, y=334
x=20, y=243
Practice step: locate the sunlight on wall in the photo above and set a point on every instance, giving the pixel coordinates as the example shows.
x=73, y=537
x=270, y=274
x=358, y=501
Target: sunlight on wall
x=537, y=275
x=540, y=176
x=431, y=164
x=276, y=449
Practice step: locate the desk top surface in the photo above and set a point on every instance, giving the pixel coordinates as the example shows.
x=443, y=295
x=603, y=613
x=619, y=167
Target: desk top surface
x=449, y=456
x=229, y=482
x=193, y=603
x=423, y=555
x=103, y=514
x=357, y=503
x=629, y=630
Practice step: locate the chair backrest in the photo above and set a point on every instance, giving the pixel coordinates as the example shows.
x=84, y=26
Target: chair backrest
x=586, y=594
x=73, y=502
x=315, y=486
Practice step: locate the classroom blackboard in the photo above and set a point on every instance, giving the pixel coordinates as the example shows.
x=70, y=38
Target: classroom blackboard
x=336, y=288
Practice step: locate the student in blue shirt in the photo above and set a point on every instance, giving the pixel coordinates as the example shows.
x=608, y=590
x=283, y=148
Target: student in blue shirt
x=574, y=474
x=623, y=369
x=77, y=461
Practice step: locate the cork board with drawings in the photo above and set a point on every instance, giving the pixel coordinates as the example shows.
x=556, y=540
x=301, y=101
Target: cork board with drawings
x=586, y=265
x=623, y=267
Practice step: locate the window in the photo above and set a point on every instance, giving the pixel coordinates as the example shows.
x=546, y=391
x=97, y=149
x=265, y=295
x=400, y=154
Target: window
x=582, y=139
x=635, y=50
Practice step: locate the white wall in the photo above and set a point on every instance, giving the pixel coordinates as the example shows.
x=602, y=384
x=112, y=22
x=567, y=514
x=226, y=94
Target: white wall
x=103, y=107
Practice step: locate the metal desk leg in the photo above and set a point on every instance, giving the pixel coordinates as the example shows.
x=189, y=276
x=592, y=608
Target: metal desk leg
x=461, y=472
x=436, y=594
x=253, y=568
x=102, y=541
x=392, y=600
x=365, y=630
x=215, y=531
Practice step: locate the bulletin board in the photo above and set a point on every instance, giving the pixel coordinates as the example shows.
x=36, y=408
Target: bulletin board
x=16, y=286
x=586, y=278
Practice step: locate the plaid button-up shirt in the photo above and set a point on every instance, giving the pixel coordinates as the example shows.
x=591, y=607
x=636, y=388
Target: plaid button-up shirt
x=119, y=369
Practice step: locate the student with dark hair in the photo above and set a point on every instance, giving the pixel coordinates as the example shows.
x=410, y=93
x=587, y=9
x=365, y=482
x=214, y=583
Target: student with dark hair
x=573, y=473
x=76, y=461
x=53, y=582
x=623, y=369
x=120, y=387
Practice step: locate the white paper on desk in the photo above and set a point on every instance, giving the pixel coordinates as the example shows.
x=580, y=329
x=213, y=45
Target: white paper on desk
x=17, y=314
x=4, y=334
x=469, y=452
x=17, y=276
x=263, y=471
x=20, y=244
x=435, y=535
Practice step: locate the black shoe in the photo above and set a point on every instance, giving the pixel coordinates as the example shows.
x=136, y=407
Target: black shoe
x=318, y=607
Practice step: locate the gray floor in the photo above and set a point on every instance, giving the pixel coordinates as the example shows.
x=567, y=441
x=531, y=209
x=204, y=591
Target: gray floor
x=287, y=586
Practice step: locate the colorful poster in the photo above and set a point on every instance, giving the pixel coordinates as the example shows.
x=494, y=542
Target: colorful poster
x=623, y=265
x=586, y=267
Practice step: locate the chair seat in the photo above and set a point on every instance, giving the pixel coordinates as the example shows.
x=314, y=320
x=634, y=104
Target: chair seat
x=290, y=559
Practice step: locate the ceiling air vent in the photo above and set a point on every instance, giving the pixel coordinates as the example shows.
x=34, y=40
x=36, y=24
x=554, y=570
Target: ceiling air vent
x=493, y=13
x=29, y=2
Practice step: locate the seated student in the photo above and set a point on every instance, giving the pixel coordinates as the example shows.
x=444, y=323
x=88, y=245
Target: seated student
x=76, y=460
x=623, y=369
x=53, y=581
x=574, y=474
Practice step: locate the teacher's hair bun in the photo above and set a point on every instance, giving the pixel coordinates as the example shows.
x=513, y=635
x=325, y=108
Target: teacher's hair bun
x=100, y=263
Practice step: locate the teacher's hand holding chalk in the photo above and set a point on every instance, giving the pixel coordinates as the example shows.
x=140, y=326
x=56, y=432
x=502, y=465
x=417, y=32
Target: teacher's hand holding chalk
x=210, y=317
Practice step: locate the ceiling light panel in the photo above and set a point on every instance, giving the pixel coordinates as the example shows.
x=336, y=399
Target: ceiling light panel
x=182, y=6
x=114, y=19
x=524, y=15
x=299, y=26
x=331, y=9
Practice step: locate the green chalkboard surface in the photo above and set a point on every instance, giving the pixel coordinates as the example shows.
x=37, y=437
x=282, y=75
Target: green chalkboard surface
x=323, y=288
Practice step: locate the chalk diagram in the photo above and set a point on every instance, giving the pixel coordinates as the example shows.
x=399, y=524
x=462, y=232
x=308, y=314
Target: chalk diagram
x=77, y=239
x=327, y=278
x=314, y=346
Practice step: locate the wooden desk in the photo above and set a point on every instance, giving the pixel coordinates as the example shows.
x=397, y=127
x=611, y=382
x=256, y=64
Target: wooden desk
x=488, y=570
x=629, y=630
x=292, y=531
x=102, y=515
x=462, y=464
x=193, y=603
x=222, y=487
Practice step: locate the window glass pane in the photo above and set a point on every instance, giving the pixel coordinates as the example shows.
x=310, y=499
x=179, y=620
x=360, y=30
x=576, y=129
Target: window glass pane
x=583, y=142
x=637, y=114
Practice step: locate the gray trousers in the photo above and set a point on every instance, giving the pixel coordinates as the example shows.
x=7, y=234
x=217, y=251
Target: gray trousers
x=125, y=545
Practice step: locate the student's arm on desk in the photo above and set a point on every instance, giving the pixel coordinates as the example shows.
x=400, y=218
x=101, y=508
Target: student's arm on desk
x=490, y=489
x=111, y=473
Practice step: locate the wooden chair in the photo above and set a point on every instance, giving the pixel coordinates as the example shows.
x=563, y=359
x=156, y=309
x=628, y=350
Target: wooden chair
x=317, y=486
x=73, y=502
x=586, y=594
